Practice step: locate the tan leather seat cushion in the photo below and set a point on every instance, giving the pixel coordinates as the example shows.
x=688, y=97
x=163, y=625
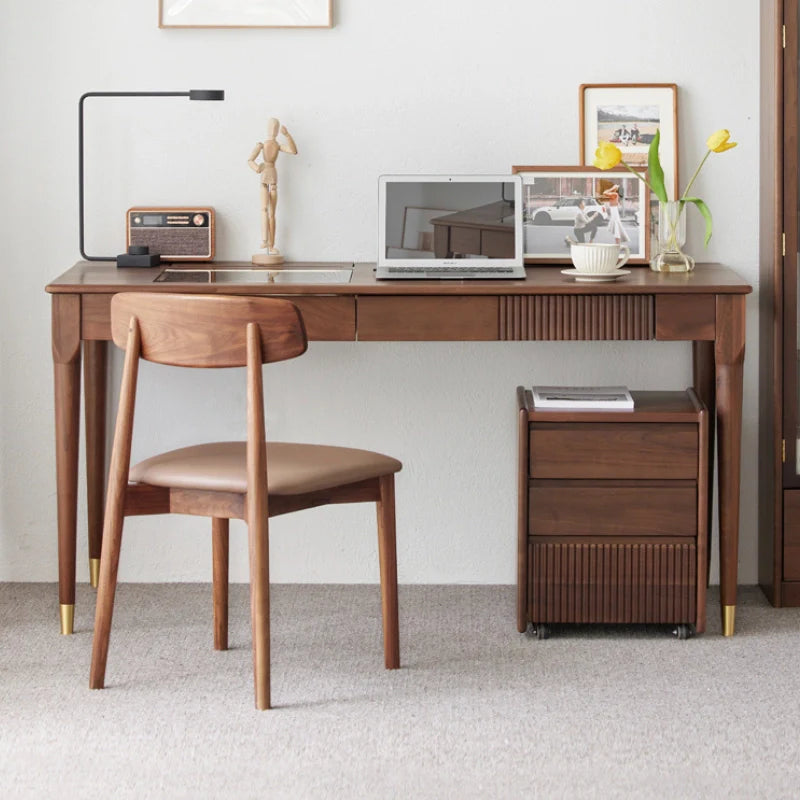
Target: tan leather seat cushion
x=291, y=468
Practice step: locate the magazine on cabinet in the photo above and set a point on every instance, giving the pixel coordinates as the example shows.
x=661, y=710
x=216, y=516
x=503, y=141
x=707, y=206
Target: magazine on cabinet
x=583, y=397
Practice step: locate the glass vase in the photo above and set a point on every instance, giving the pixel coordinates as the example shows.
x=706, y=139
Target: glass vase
x=671, y=239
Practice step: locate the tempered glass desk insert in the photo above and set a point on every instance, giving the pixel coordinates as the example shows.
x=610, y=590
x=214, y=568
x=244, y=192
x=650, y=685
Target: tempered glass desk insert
x=254, y=276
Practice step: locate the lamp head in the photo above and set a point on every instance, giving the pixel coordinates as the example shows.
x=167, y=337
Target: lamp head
x=206, y=94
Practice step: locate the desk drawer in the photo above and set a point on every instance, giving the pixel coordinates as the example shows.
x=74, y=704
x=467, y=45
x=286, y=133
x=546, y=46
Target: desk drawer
x=614, y=450
x=419, y=319
x=584, y=508
x=327, y=319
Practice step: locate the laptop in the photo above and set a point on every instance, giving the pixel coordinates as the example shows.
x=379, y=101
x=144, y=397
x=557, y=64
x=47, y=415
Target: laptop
x=451, y=227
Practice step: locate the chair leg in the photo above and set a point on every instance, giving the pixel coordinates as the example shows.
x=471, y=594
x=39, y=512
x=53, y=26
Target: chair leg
x=387, y=551
x=106, y=590
x=219, y=545
x=258, y=535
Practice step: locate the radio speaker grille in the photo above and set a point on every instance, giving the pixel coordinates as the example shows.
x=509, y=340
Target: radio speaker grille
x=168, y=242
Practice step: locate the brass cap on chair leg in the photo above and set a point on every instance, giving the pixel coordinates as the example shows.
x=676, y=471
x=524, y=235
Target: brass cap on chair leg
x=67, y=618
x=728, y=620
x=94, y=572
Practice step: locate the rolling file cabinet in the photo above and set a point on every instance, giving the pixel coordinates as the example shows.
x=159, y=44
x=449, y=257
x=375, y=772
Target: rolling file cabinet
x=613, y=514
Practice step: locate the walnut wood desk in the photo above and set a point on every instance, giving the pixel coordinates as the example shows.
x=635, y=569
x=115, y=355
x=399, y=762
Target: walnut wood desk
x=706, y=307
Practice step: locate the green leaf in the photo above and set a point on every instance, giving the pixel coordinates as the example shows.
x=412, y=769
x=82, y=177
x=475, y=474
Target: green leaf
x=706, y=212
x=654, y=169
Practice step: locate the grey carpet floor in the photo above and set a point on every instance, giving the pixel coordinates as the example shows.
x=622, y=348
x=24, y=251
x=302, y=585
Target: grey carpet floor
x=477, y=711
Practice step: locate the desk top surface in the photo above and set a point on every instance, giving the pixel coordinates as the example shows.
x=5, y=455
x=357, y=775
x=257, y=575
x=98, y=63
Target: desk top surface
x=100, y=277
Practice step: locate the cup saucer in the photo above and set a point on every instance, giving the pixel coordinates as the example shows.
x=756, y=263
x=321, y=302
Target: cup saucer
x=595, y=277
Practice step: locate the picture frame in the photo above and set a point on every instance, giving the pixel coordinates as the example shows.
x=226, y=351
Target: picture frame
x=628, y=115
x=551, y=197
x=245, y=13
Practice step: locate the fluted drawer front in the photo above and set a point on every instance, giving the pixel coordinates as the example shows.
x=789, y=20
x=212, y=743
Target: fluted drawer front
x=612, y=583
x=577, y=317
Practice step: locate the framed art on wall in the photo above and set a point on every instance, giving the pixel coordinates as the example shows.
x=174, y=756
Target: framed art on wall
x=628, y=114
x=582, y=204
x=245, y=13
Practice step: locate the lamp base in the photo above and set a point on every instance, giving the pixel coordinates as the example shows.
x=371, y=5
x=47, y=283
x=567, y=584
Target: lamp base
x=138, y=256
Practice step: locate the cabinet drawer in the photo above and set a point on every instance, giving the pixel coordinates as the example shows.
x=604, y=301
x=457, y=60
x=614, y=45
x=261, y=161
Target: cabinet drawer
x=573, y=508
x=613, y=582
x=613, y=450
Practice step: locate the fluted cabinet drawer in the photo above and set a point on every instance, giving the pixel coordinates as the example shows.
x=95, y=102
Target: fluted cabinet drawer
x=612, y=583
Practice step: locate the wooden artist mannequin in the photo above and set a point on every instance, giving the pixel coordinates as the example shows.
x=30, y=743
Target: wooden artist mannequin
x=269, y=150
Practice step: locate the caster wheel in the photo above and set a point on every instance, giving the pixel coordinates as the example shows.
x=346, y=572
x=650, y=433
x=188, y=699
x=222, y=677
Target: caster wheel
x=682, y=631
x=541, y=631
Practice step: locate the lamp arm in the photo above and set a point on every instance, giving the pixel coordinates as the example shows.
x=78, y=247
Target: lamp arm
x=80, y=157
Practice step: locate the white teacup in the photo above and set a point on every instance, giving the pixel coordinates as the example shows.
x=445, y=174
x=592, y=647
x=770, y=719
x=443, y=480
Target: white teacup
x=592, y=257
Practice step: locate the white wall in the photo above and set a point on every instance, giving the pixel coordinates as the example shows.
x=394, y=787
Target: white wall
x=417, y=86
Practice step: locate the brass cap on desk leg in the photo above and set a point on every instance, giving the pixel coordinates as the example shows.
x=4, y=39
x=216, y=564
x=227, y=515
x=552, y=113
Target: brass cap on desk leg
x=728, y=620
x=94, y=572
x=67, y=618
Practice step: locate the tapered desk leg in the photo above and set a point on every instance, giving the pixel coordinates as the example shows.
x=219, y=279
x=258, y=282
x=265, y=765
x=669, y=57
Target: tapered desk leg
x=94, y=380
x=704, y=385
x=67, y=373
x=729, y=353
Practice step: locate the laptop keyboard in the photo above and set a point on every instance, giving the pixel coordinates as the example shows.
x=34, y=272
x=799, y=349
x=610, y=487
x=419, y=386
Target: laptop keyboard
x=448, y=270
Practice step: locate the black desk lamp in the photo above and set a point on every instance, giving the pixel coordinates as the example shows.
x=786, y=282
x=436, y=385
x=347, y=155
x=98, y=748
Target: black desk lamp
x=136, y=256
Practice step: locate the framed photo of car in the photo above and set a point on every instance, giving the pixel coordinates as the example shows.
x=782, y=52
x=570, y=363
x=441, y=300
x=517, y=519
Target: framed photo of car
x=628, y=115
x=561, y=205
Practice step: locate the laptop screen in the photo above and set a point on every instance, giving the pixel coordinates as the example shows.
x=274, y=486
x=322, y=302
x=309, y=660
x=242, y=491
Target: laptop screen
x=445, y=219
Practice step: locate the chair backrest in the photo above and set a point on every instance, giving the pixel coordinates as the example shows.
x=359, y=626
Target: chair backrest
x=186, y=330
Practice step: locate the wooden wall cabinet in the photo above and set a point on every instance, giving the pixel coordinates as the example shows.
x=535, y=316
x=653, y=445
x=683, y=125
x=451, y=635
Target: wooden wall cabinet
x=613, y=513
x=779, y=393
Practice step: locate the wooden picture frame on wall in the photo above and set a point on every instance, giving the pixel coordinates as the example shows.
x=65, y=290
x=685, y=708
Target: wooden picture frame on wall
x=628, y=115
x=550, y=198
x=245, y=14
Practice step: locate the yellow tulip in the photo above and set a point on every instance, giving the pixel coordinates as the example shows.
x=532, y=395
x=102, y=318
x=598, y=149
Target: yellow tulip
x=718, y=141
x=607, y=156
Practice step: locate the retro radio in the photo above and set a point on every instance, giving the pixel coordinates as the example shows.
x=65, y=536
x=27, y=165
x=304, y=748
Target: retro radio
x=175, y=234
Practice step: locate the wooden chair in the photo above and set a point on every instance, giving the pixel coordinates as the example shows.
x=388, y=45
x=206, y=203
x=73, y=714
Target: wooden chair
x=246, y=480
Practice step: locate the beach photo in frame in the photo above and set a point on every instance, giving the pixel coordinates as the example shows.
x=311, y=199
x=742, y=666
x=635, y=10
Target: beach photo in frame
x=245, y=13
x=565, y=204
x=628, y=115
